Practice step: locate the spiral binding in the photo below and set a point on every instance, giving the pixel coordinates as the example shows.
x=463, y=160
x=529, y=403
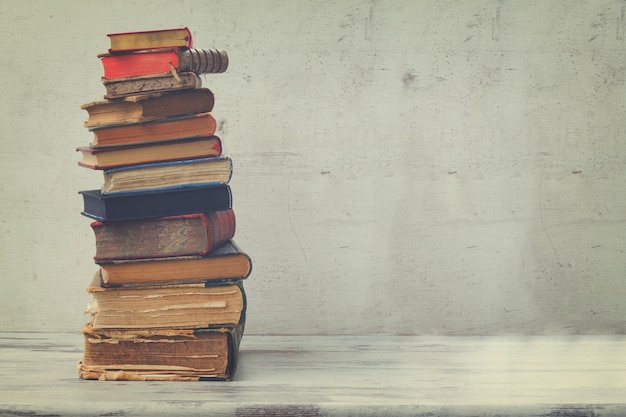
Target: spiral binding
x=204, y=61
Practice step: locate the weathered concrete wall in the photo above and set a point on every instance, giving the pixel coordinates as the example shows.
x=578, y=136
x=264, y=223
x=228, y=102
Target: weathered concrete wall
x=400, y=166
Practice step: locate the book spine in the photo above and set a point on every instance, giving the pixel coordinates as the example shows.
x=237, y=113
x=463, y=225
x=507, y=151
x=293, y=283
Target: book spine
x=220, y=226
x=180, y=162
x=128, y=86
x=158, y=39
x=156, y=204
x=169, y=129
x=171, y=236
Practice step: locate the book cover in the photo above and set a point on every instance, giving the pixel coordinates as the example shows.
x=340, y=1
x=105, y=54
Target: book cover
x=154, y=61
x=168, y=175
x=148, y=107
x=150, y=39
x=132, y=206
x=176, y=306
x=172, y=128
x=151, y=83
x=161, y=354
x=165, y=151
x=224, y=264
x=194, y=234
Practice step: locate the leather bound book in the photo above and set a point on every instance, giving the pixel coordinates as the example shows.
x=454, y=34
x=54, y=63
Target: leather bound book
x=172, y=174
x=150, y=39
x=160, y=354
x=224, y=264
x=173, y=128
x=131, y=155
x=198, y=61
x=148, y=84
x=148, y=107
x=184, y=235
x=173, y=306
x=150, y=204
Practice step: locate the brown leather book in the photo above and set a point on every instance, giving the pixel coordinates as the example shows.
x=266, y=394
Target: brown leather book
x=148, y=107
x=121, y=156
x=228, y=262
x=160, y=354
x=194, y=234
x=174, y=128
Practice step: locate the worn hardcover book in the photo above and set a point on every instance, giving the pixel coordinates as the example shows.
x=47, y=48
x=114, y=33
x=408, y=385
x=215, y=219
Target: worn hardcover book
x=148, y=107
x=160, y=354
x=163, y=175
x=150, y=39
x=194, y=234
x=155, y=61
x=173, y=306
x=224, y=264
x=166, y=151
x=172, y=128
x=150, y=204
x=148, y=84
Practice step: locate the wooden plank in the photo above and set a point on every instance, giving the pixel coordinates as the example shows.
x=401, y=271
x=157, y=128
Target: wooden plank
x=337, y=375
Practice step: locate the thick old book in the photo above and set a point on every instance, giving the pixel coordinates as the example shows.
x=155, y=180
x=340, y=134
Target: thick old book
x=149, y=204
x=149, y=107
x=150, y=39
x=174, y=306
x=121, y=156
x=160, y=354
x=224, y=264
x=173, y=128
x=155, y=61
x=163, y=175
x=148, y=84
x=194, y=234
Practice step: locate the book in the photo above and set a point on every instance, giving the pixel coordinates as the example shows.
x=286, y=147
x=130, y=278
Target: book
x=160, y=354
x=147, y=84
x=175, y=306
x=149, y=107
x=154, y=61
x=185, y=235
x=128, y=155
x=224, y=264
x=172, y=128
x=163, y=175
x=140, y=205
x=150, y=39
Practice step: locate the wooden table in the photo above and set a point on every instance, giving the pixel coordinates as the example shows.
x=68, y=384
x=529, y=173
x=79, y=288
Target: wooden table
x=338, y=375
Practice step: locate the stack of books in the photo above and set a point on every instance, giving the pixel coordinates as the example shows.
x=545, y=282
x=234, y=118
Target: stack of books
x=168, y=296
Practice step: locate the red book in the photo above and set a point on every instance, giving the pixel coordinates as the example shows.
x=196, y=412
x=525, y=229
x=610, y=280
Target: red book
x=155, y=61
x=195, y=234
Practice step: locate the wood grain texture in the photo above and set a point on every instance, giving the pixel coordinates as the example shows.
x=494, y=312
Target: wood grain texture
x=343, y=375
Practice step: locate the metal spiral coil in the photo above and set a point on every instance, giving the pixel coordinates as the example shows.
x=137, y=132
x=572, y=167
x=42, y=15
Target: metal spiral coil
x=204, y=61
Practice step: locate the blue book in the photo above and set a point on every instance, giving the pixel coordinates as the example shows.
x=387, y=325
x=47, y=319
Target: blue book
x=150, y=204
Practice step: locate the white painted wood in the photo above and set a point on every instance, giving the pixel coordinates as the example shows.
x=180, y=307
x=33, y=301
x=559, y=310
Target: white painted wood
x=338, y=375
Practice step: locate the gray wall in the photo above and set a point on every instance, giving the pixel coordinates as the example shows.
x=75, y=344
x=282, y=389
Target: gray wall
x=400, y=166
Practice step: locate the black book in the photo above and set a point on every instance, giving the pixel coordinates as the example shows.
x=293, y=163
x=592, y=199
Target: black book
x=148, y=204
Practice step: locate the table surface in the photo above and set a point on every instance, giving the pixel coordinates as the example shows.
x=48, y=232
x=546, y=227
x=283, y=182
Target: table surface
x=338, y=375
